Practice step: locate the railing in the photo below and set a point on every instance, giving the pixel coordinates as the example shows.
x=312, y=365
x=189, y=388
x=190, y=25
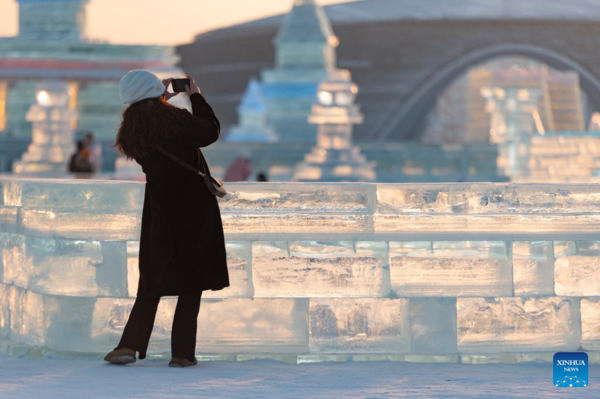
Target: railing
x=430, y=272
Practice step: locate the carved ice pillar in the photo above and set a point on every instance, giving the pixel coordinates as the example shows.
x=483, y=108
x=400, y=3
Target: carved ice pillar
x=515, y=119
x=335, y=158
x=52, y=136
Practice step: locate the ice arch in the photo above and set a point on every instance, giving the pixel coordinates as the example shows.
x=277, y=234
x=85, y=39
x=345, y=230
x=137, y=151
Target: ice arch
x=407, y=122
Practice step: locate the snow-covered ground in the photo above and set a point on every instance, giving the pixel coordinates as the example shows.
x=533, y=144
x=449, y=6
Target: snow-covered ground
x=26, y=378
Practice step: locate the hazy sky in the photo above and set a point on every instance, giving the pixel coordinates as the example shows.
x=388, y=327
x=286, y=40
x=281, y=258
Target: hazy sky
x=159, y=21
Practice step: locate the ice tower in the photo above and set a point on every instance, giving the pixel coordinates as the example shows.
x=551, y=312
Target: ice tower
x=253, y=127
x=58, y=20
x=305, y=56
x=52, y=45
x=53, y=134
x=335, y=158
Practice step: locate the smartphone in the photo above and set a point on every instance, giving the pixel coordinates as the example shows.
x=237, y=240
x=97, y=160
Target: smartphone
x=179, y=85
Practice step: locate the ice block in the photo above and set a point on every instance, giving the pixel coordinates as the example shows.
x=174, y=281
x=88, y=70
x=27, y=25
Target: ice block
x=577, y=268
x=590, y=324
x=533, y=268
x=320, y=269
x=469, y=268
x=359, y=325
x=496, y=325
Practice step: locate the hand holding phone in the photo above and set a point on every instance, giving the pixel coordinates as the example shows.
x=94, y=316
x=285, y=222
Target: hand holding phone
x=192, y=87
x=179, y=85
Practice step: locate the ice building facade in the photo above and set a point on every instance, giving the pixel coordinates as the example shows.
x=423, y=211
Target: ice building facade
x=305, y=55
x=468, y=272
x=52, y=45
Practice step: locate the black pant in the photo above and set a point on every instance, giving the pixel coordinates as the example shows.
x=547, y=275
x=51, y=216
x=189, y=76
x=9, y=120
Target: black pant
x=185, y=324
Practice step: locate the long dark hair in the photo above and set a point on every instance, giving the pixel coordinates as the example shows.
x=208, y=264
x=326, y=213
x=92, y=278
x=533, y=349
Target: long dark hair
x=145, y=124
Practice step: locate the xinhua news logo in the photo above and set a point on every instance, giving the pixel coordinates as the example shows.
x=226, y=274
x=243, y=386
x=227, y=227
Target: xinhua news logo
x=571, y=370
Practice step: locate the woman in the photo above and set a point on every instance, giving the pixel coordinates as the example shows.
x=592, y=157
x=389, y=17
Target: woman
x=182, y=247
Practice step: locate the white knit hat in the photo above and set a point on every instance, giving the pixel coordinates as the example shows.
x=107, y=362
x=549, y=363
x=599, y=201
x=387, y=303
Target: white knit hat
x=138, y=85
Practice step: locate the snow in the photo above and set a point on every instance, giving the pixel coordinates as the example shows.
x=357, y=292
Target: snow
x=61, y=378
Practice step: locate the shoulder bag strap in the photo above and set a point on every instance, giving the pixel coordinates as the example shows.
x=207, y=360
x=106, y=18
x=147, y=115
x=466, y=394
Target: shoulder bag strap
x=180, y=162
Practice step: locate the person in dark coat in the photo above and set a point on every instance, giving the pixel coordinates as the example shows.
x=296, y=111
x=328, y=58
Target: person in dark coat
x=182, y=245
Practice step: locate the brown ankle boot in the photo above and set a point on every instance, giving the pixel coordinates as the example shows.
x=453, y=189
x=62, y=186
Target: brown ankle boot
x=181, y=362
x=121, y=356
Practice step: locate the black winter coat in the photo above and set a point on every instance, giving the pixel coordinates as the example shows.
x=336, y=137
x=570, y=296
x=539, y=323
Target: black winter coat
x=182, y=246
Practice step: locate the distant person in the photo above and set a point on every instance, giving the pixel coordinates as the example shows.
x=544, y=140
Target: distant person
x=262, y=177
x=96, y=150
x=182, y=245
x=80, y=162
x=239, y=170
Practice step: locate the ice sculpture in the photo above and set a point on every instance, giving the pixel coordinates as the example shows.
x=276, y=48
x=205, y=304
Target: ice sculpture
x=53, y=132
x=335, y=158
x=253, y=126
x=473, y=273
x=305, y=55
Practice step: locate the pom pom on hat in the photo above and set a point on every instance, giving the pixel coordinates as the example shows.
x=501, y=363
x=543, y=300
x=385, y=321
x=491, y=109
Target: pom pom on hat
x=139, y=85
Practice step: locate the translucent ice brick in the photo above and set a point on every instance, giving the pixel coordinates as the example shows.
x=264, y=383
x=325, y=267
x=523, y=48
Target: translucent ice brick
x=320, y=269
x=4, y=311
x=496, y=325
x=55, y=322
x=65, y=267
x=364, y=325
x=299, y=198
x=282, y=225
x=433, y=325
x=494, y=209
x=81, y=225
x=89, y=196
x=452, y=268
x=238, y=265
x=577, y=268
x=533, y=268
x=271, y=211
x=8, y=218
x=133, y=271
x=590, y=323
x=239, y=255
x=240, y=325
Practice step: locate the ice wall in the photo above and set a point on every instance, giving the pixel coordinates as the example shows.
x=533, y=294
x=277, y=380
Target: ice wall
x=429, y=272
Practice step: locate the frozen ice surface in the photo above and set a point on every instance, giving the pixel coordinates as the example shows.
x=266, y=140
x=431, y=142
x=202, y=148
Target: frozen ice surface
x=467, y=268
x=433, y=325
x=590, y=323
x=58, y=378
x=495, y=325
x=320, y=269
x=359, y=326
x=577, y=268
x=533, y=268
